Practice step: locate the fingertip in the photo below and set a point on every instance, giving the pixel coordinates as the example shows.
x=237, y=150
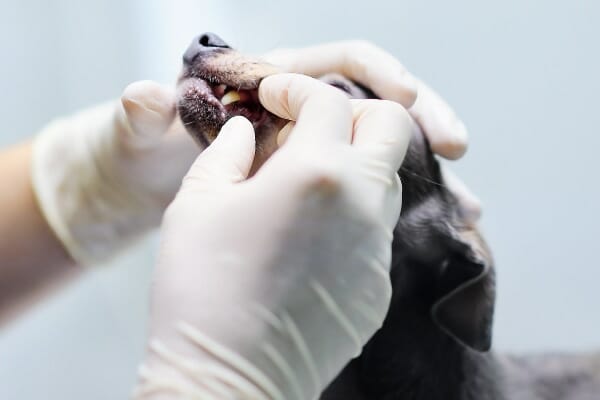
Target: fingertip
x=149, y=109
x=150, y=96
x=288, y=95
x=236, y=141
x=273, y=93
x=238, y=122
x=451, y=144
x=153, y=93
x=446, y=133
x=462, y=132
x=237, y=131
x=396, y=115
x=449, y=150
x=402, y=89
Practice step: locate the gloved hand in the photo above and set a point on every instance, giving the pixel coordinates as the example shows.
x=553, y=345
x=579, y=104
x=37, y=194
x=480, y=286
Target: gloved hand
x=106, y=175
x=378, y=70
x=266, y=287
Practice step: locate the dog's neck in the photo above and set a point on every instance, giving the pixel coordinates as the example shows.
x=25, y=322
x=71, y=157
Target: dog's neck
x=423, y=362
x=412, y=359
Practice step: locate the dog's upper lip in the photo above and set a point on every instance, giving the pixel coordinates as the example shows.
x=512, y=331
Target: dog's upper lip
x=213, y=80
x=255, y=71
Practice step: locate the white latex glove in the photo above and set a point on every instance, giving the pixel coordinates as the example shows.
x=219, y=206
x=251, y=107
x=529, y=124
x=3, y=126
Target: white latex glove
x=104, y=176
x=378, y=70
x=266, y=287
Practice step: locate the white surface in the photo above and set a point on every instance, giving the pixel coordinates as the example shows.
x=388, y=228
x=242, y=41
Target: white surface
x=522, y=74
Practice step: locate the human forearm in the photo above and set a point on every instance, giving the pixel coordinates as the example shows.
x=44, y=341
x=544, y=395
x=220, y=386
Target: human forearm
x=86, y=187
x=32, y=259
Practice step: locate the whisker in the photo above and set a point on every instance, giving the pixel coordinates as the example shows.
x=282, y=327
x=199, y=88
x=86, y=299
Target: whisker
x=408, y=171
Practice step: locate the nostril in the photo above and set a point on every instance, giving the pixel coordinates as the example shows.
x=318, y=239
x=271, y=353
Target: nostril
x=211, y=40
x=204, y=40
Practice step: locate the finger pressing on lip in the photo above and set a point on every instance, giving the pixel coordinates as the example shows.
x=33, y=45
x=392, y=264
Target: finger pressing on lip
x=358, y=60
x=446, y=133
x=227, y=160
x=319, y=110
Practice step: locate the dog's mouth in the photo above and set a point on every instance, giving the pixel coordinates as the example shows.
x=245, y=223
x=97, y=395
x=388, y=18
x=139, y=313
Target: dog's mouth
x=236, y=101
x=204, y=106
x=219, y=85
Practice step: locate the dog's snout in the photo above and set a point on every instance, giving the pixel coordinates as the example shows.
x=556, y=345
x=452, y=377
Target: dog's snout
x=204, y=44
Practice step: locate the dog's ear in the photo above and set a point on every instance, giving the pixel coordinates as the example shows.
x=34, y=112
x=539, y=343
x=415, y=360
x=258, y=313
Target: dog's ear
x=466, y=290
x=435, y=235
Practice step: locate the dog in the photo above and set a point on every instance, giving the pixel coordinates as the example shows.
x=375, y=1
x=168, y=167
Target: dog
x=435, y=341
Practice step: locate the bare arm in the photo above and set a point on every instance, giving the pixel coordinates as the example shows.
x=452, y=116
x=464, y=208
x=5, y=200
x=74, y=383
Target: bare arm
x=32, y=260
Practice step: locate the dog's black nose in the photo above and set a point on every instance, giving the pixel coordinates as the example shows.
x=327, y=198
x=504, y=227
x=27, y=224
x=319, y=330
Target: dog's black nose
x=203, y=44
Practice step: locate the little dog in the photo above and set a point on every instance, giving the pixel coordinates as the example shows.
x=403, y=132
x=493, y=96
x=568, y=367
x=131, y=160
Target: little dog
x=434, y=343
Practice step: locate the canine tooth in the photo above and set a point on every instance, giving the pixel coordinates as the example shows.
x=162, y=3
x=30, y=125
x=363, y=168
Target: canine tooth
x=231, y=97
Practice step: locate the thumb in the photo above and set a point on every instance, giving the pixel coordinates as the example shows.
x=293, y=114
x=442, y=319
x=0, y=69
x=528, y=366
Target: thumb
x=228, y=159
x=149, y=110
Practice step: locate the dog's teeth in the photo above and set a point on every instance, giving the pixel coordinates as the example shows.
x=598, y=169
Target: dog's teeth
x=231, y=97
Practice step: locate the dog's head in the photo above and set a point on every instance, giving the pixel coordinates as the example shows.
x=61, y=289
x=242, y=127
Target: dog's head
x=441, y=269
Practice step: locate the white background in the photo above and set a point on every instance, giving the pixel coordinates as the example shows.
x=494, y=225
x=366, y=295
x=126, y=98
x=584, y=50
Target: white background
x=523, y=74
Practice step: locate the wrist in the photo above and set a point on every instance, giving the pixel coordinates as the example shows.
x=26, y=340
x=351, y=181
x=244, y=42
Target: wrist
x=191, y=365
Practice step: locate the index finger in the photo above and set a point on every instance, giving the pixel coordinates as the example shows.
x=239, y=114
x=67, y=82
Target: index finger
x=446, y=133
x=378, y=70
x=383, y=129
x=320, y=111
x=358, y=60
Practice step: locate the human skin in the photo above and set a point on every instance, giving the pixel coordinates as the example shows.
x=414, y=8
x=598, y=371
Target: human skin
x=33, y=259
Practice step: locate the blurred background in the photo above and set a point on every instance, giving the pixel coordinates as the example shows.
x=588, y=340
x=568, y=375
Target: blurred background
x=522, y=74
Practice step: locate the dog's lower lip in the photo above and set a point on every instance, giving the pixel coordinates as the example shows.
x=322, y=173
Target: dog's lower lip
x=205, y=106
